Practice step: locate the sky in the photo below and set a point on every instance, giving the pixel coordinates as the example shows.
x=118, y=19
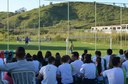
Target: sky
x=31, y=4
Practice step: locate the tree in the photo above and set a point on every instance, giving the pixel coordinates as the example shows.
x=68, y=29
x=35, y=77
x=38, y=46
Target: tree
x=21, y=10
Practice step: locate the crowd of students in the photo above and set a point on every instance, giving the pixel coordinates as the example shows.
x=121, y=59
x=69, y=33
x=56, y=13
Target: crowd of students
x=75, y=69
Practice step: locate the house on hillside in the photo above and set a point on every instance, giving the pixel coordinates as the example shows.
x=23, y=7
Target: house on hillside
x=112, y=28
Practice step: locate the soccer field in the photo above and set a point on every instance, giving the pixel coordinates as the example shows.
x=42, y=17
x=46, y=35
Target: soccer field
x=60, y=46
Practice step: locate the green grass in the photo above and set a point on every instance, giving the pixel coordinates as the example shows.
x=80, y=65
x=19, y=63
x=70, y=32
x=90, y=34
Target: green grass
x=60, y=46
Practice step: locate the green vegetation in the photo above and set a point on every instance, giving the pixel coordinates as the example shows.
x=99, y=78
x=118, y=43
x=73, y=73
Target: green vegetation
x=82, y=16
x=60, y=46
x=54, y=26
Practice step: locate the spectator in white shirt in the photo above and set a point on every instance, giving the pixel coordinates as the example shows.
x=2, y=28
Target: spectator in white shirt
x=103, y=61
x=115, y=75
x=65, y=71
x=76, y=65
x=107, y=57
x=121, y=55
x=48, y=72
x=125, y=66
x=88, y=71
x=36, y=64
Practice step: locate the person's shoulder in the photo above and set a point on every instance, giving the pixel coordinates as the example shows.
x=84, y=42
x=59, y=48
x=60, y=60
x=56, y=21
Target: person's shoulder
x=80, y=61
x=13, y=63
x=108, y=71
x=54, y=66
x=72, y=63
x=83, y=65
x=125, y=63
x=43, y=67
x=60, y=66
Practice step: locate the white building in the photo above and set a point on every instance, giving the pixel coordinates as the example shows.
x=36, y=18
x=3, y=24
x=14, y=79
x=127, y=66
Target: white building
x=112, y=28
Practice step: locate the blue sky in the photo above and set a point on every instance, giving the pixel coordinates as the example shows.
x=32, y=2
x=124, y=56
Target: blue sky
x=30, y=4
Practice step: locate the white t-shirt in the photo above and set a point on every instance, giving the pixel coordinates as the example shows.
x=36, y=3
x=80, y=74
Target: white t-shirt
x=122, y=57
x=76, y=65
x=1, y=61
x=1, y=73
x=107, y=58
x=65, y=71
x=89, y=70
x=94, y=59
x=36, y=64
x=49, y=74
x=114, y=75
x=125, y=66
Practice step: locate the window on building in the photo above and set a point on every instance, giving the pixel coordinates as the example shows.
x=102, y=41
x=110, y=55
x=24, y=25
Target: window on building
x=106, y=28
x=118, y=28
x=123, y=27
x=114, y=28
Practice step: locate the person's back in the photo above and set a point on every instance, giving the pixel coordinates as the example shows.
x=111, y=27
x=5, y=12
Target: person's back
x=36, y=65
x=66, y=74
x=107, y=57
x=18, y=66
x=65, y=71
x=115, y=75
x=76, y=65
x=125, y=66
x=49, y=72
x=89, y=70
x=21, y=63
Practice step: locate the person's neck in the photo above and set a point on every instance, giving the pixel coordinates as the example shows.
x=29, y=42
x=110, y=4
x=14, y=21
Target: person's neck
x=65, y=62
x=20, y=59
x=75, y=59
x=115, y=66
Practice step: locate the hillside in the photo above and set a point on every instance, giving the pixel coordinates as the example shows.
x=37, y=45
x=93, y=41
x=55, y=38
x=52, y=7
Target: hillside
x=82, y=15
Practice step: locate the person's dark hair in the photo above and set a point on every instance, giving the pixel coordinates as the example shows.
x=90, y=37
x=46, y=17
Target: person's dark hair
x=34, y=57
x=110, y=61
x=116, y=61
x=39, y=54
x=40, y=58
x=83, y=55
x=76, y=54
x=48, y=54
x=58, y=56
x=98, y=53
x=109, y=51
x=20, y=52
x=99, y=65
x=121, y=51
x=28, y=57
x=57, y=59
x=51, y=59
x=88, y=58
x=65, y=58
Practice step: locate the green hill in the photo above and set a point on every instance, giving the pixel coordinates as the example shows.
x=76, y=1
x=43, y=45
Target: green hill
x=82, y=15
